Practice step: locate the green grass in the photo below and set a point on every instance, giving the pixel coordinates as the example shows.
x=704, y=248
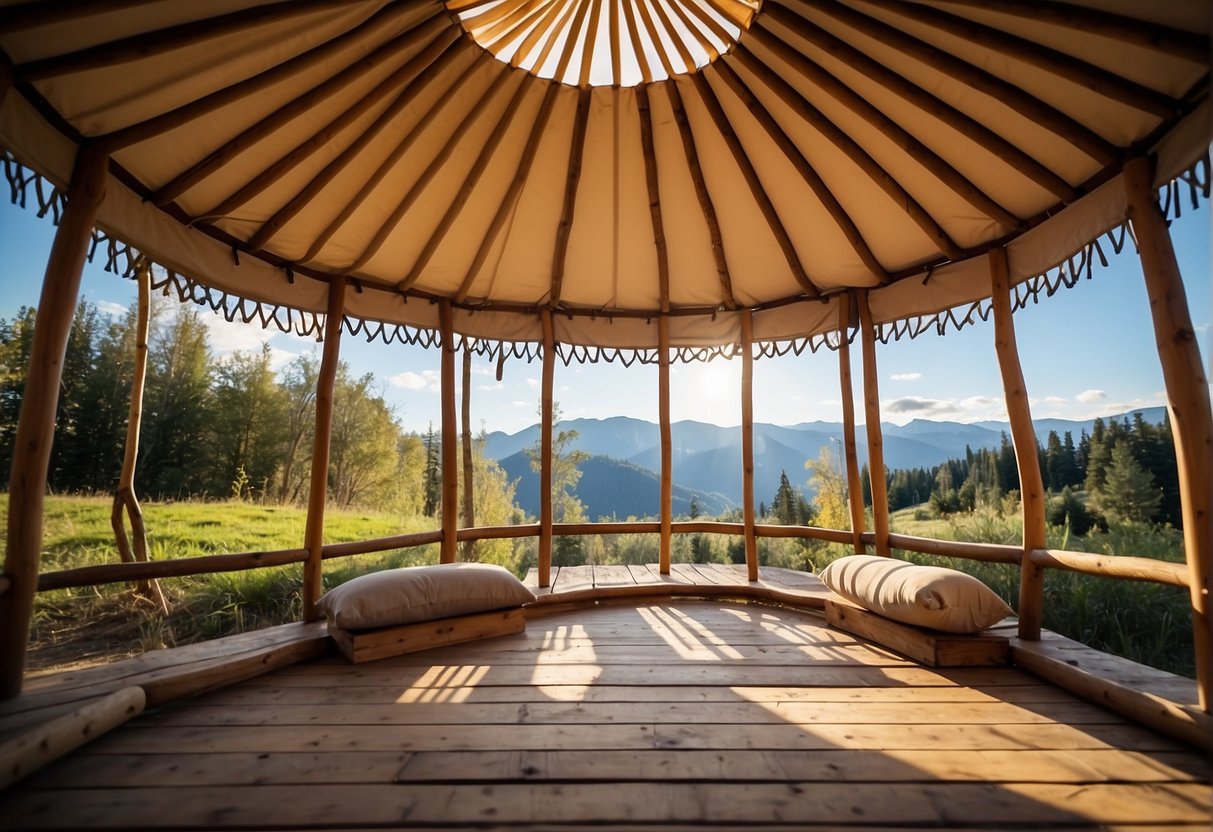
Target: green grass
x=80, y=621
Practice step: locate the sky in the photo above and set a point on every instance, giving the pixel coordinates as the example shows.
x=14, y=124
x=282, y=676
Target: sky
x=1087, y=351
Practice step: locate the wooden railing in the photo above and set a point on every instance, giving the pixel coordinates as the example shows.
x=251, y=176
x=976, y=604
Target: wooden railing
x=1121, y=567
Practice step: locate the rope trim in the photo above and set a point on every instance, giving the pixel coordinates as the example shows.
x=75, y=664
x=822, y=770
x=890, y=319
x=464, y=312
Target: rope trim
x=122, y=259
x=1081, y=264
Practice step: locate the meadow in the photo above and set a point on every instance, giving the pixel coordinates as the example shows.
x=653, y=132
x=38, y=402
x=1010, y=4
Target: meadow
x=1144, y=622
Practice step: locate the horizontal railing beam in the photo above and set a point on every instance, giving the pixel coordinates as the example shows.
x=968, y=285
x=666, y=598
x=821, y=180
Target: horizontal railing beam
x=1107, y=566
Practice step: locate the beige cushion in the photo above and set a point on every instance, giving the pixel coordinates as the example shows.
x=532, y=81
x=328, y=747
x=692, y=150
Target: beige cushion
x=925, y=596
x=422, y=593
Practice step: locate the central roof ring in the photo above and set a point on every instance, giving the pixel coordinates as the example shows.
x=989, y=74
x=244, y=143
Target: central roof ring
x=599, y=43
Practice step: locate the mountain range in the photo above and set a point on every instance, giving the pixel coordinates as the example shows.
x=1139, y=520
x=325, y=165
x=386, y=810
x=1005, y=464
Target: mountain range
x=621, y=479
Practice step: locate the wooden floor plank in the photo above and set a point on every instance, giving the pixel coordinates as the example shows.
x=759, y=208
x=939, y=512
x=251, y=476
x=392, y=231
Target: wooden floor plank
x=832, y=766
x=809, y=803
x=612, y=575
x=471, y=737
x=269, y=692
x=629, y=713
x=642, y=575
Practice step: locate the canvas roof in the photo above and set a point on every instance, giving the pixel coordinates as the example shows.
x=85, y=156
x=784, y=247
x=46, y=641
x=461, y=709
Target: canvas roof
x=259, y=148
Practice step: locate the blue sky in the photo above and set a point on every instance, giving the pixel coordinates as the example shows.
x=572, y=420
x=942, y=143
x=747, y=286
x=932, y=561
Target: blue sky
x=1086, y=351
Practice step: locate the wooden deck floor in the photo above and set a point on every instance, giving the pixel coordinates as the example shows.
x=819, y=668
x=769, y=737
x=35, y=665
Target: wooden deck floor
x=574, y=579
x=665, y=713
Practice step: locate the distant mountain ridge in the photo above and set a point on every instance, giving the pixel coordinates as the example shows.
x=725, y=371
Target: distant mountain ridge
x=622, y=477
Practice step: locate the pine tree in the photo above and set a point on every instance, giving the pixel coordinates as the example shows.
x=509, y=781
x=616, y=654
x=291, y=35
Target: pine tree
x=1128, y=491
x=432, y=478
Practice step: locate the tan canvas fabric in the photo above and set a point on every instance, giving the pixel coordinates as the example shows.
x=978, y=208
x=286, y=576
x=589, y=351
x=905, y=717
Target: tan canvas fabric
x=422, y=593
x=925, y=596
x=374, y=139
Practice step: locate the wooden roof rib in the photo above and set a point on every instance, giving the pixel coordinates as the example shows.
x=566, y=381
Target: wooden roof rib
x=859, y=99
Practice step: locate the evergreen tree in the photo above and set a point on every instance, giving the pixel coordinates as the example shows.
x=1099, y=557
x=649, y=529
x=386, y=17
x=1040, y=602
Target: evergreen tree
x=566, y=507
x=249, y=423
x=298, y=385
x=694, y=507
x=1128, y=490
x=432, y=480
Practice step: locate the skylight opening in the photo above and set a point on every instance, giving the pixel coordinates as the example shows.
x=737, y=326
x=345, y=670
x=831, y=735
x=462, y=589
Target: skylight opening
x=576, y=41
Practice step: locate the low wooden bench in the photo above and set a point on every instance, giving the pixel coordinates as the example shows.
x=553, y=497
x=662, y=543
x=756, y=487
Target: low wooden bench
x=930, y=647
x=384, y=642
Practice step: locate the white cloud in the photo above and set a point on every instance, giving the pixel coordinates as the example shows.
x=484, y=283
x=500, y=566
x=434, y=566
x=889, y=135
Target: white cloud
x=917, y=405
x=425, y=380
x=229, y=336
x=517, y=403
x=906, y=376
x=533, y=382
x=1091, y=396
x=978, y=402
x=490, y=387
x=108, y=307
x=564, y=388
x=1055, y=399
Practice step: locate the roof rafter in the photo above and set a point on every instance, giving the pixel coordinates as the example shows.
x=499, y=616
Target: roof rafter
x=688, y=60
x=469, y=184
x=510, y=200
x=853, y=151
x=222, y=156
x=653, y=185
x=921, y=98
x=721, y=120
x=570, y=42
x=646, y=72
x=930, y=161
x=1187, y=45
x=546, y=31
x=385, y=167
x=702, y=194
x=806, y=170
x=157, y=125
x=1094, y=78
x=509, y=26
x=576, y=153
x=1008, y=94
x=431, y=170
x=399, y=79
x=651, y=29
x=317, y=183
x=146, y=44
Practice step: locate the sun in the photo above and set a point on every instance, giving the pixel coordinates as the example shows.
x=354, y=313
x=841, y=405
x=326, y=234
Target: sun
x=708, y=391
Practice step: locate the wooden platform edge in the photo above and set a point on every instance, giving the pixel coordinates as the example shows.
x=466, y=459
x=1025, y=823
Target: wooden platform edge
x=29, y=751
x=384, y=642
x=563, y=601
x=930, y=647
x=1125, y=696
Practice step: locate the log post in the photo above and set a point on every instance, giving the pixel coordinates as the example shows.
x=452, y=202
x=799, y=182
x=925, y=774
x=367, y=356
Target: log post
x=40, y=400
x=125, y=499
x=871, y=408
x=667, y=456
x=854, y=486
x=747, y=443
x=545, y=452
x=313, y=539
x=1023, y=437
x=1187, y=403
x=469, y=472
x=450, y=475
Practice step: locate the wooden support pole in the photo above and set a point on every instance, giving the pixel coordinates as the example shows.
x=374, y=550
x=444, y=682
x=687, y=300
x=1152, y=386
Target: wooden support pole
x=125, y=499
x=871, y=408
x=1023, y=437
x=36, y=424
x=545, y=452
x=1187, y=403
x=469, y=472
x=667, y=456
x=450, y=460
x=854, y=486
x=313, y=538
x=747, y=443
